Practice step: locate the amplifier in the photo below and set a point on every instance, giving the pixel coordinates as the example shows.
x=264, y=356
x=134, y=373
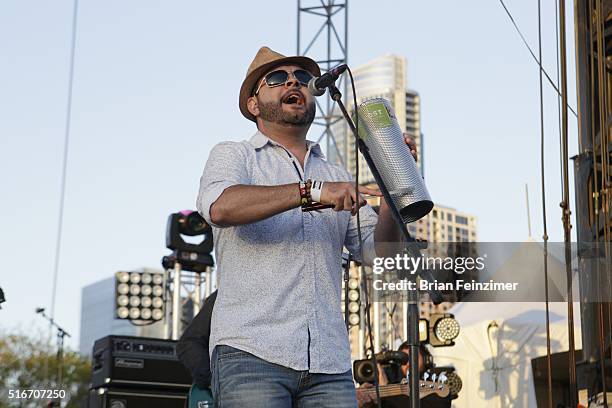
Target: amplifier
x=125, y=361
x=135, y=398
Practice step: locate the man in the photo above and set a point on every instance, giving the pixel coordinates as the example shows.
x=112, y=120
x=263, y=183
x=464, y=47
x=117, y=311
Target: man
x=366, y=400
x=192, y=349
x=277, y=334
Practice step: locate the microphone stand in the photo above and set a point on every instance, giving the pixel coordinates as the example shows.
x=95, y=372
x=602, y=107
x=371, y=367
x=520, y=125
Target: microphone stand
x=413, y=295
x=61, y=334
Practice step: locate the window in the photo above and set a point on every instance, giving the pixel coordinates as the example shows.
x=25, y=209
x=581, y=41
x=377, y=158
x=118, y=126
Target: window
x=461, y=220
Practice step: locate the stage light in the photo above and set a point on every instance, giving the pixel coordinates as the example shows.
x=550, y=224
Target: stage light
x=123, y=312
x=423, y=331
x=123, y=277
x=447, y=329
x=146, y=290
x=134, y=313
x=192, y=257
x=354, y=305
x=157, y=314
x=157, y=291
x=145, y=314
x=443, y=329
x=194, y=224
x=157, y=303
x=123, y=289
x=133, y=294
x=454, y=384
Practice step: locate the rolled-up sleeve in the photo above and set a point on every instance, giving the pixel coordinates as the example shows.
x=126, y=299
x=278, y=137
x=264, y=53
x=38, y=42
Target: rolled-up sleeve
x=226, y=166
x=368, y=220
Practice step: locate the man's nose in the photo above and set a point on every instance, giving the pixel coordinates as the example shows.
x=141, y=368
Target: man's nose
x=292, y=81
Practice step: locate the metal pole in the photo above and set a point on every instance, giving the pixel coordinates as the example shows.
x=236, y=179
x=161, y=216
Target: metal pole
x=376, y=324
x=176, y=300
x=166, y=312
x=208, y=282
x=197, y=294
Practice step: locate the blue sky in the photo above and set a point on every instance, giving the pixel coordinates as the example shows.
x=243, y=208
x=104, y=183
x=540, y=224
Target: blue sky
x=156, y=85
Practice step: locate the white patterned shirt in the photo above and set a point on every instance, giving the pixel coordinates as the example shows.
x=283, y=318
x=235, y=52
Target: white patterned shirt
x=279, y=279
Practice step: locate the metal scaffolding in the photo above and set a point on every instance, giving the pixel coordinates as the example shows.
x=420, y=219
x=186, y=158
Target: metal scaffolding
x=328, y=47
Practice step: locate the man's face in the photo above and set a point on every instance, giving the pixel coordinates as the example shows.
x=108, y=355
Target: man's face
x=287, y=104
x=406, y=366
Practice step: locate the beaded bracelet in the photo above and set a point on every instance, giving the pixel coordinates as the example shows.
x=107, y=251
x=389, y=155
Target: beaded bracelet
x=305, y=198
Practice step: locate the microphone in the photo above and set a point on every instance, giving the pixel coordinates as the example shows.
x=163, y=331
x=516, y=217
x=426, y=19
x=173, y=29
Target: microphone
x=317, y=85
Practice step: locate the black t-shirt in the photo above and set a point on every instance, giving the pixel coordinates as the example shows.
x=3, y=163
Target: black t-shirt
x=430, y=401
x=192, y=347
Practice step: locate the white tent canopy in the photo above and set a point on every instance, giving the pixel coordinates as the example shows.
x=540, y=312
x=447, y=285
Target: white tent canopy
x=493, y=352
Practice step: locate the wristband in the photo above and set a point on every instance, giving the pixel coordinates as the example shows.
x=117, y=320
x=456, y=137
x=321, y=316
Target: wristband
x=315, y=191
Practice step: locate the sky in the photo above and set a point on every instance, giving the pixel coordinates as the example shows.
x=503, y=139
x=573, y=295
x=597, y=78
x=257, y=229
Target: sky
x=156, y=87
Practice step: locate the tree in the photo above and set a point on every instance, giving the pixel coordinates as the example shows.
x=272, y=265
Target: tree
x=29, y=363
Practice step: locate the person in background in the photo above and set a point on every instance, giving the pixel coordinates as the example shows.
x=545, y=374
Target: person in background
x=366, y=400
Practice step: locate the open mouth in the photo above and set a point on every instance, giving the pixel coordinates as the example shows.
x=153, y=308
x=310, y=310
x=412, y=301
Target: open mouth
x=293, y=98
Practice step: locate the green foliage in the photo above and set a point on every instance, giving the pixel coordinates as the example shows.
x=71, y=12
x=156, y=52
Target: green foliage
x=30, y=363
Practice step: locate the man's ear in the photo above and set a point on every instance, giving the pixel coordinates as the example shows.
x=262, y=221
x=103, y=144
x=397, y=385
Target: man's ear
x=253, y=106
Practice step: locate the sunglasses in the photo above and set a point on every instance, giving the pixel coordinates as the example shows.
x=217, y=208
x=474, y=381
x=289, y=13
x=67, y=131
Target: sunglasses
x=280, y=77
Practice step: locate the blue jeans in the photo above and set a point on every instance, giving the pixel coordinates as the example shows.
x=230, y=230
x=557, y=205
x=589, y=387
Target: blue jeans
x=241, y=380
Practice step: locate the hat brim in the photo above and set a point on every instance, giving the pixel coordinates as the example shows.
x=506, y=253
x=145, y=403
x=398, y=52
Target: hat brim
x=246, y=90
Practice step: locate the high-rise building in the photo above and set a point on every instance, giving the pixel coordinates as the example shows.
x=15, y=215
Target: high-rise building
x=383, y=77
x=444, y=224
x=98, y=317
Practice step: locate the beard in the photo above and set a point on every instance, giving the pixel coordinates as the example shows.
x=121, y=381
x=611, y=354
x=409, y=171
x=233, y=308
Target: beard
x=273, y=112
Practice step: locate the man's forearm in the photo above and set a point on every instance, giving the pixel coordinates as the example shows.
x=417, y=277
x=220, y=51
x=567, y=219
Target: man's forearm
x=244, y=204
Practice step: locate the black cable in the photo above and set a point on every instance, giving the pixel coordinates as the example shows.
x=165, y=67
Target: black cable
x=362, y=273
x=533, y=55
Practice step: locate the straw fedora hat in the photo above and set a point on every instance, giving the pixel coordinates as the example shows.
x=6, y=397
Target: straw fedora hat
x=264, y=61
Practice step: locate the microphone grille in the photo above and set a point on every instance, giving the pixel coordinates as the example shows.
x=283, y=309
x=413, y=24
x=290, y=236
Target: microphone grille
x=313, y=89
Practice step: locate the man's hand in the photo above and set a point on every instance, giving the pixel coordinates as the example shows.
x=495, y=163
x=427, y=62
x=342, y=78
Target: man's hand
x=364, y=397
x=411, y=145
x=342, y=195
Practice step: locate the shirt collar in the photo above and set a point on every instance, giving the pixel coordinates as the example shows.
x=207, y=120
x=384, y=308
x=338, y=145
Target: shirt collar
x=259, y=140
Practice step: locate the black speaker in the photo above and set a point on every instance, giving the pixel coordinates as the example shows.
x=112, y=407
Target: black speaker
x=125, y=361
x=135, y=398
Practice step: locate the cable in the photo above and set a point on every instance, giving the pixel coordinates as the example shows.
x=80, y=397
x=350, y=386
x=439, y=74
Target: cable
x=545, y=236
x=362, y=273
x=58, y=243
x=533, y=55
x=60, y=221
